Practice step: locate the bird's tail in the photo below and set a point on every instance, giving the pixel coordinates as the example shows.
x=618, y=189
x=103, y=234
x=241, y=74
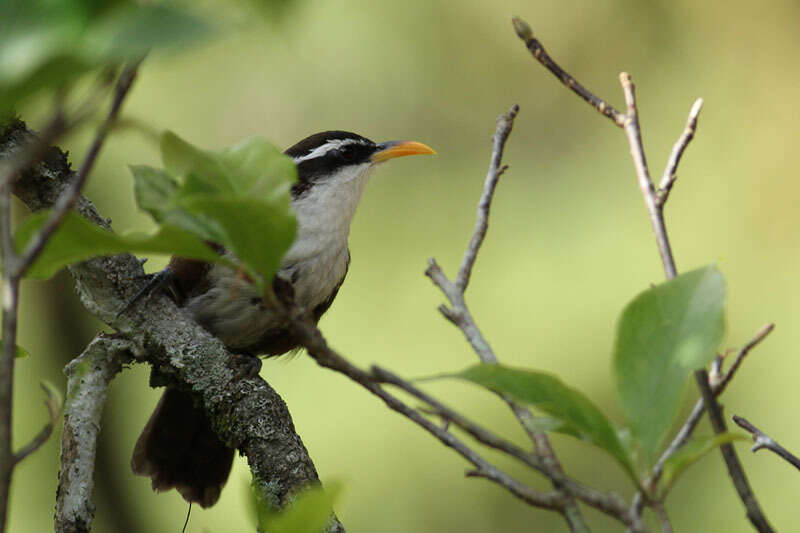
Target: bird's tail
x=179, y=449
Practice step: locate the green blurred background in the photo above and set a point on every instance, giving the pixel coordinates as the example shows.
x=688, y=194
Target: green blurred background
x=569, y=243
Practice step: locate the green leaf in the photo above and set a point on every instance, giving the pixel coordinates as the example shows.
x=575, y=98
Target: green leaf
x=48, y=44
x=239, y=197
x=21, y=352
x=133, y=30
x=664, y=334
x=691, y=452
x=158, y=193
x=260, y=168
x=78, y=240
x=200, y=171
x=578, y=415
x=257, y=231
x=310, y=512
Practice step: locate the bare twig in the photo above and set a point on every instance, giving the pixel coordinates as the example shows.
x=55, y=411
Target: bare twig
x=609, y=503
x=663, y=517
x=760, y=335
x=459, y=313
x=764, y=441
x=630, y=123
x=53, y=404
x=505, y=123
x=67, y=200
x=671, y=170
x=311, y=338
x=535, y=47
x=735, y=470
x=655, y=209
x=316, y=345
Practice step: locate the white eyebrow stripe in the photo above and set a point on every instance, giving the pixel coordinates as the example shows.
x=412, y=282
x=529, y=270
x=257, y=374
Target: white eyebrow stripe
x=325, y=148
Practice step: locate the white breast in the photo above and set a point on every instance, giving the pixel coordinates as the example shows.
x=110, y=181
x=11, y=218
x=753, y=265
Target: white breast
x=315, y=264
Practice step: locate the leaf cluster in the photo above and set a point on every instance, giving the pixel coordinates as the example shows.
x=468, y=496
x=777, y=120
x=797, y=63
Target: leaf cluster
x=238, y=197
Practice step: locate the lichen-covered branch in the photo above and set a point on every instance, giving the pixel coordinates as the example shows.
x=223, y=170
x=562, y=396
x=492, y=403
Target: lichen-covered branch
x=88, y=378
x=247, y=414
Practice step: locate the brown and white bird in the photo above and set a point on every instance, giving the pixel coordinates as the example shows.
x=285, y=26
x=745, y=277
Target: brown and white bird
x=178, y=447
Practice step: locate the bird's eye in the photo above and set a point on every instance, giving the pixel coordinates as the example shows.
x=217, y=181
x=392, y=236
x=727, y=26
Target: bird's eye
x=346, y=153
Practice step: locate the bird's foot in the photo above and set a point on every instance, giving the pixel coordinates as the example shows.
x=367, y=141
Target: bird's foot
x=245, y=366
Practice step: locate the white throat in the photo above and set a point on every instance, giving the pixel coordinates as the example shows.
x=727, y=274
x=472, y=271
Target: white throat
x=325, y=211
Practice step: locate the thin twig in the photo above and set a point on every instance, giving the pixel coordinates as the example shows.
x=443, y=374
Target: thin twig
x=70, y=196
x=459, y=313
x=663, y=517
x=505, y=123
x=535, y=47
x=316, y=345
x=608, y=503
x=629, y=122
x=735, y=470
x=764, y=441
x=53, y=405
x=671, y=170
x=655, y=210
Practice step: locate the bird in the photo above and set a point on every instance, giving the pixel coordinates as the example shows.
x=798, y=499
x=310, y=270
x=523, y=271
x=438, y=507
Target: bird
x=178, y=448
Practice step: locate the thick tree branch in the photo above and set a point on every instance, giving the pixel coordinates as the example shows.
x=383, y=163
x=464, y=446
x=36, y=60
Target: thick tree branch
x=247, y=414
x=735, y=470
x=764, y=441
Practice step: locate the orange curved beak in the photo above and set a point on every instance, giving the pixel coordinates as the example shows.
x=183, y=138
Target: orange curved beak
x=392, y=149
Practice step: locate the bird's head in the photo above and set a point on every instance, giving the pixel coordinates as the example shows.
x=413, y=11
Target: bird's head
x=333, y=157
x=332, y=170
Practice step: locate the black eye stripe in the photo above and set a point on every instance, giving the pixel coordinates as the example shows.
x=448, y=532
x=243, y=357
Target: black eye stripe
x=351, y=149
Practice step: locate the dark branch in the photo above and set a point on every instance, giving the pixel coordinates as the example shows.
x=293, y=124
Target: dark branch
x=764, y=441
x=735, y=470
